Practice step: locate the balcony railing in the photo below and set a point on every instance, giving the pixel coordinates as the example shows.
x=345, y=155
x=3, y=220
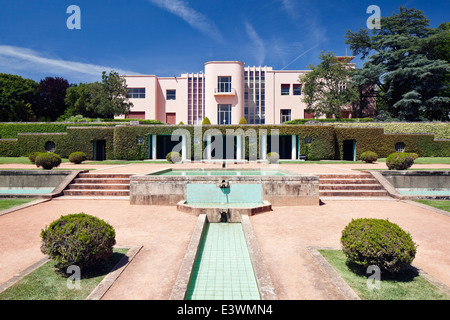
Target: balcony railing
x=224, y=92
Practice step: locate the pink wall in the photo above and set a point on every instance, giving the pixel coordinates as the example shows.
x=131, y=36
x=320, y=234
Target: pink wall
x=213, y=70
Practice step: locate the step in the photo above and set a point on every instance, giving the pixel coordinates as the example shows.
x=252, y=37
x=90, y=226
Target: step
x=100, y=186
x=101, y=181
x=353, y=186
x=105, y=175
x=96, y=192
x=348, y=181
x=353, y=193
x=345, y=176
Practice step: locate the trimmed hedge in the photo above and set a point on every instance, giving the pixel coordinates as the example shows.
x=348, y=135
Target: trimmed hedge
x=369, y=156
x=378, y=242
x=323, y=141
x=78, y=239
x=47, y=160
x=400, y=160
x=77, y=157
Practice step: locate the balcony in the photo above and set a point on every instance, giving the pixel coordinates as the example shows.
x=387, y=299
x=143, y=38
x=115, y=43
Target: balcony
x=224, y=92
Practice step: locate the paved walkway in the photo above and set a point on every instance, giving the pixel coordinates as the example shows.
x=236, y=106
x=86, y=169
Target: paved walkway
x=283, y=235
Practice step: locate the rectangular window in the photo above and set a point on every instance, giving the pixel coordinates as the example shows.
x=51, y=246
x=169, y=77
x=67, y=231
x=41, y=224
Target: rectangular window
x=285, y=88
x=224, y=113
x=171, y=94
x=285, y=115
x=224, y=84
x=297, y=89
x=136, y=93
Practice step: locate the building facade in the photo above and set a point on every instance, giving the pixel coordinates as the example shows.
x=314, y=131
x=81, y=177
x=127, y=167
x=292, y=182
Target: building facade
x=225, y=92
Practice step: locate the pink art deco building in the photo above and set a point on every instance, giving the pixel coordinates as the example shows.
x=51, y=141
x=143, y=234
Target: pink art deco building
x=225, y=92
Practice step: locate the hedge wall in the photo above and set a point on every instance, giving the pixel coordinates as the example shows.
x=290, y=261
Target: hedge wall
x=74, y=139
x=374, y=139
x=441, y=130
x=122, y=140
x=126, y=146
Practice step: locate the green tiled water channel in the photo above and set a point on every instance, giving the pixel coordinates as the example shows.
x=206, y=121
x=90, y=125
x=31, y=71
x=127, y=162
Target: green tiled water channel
x=223, y=269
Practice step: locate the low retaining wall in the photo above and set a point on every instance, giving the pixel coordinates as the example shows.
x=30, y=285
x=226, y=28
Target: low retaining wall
x=393, y=180
x=57, y=179
x=287, y=190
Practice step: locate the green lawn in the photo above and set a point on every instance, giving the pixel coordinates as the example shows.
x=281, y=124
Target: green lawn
x=46, y=284
x=20, y=160
x=438, y=204
x=425, y=160
x=9, y=203
x=408, y=285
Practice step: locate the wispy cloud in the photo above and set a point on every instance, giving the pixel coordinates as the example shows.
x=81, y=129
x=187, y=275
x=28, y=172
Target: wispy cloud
x=290, y=7
x=15, y=59
x=257, y=43
x=194, y=18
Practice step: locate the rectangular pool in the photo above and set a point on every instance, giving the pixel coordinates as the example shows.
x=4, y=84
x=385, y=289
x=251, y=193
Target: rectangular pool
x=220, y=172
x=15, y=191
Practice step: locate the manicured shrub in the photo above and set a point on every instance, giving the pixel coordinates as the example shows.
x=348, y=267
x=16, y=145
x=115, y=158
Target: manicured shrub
x=206, y=121
x=78, y=239
x=32, y=156
x=243, y=121
x=369, y=156
x=273, y=157
x=378, y=242
x=400, y=160
x=173, y=157
x=77, y=157
x=47, y=160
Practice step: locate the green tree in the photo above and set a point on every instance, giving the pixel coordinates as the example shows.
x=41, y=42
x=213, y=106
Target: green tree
x=50, y=100
x=16, y=93
x=328, y=87
x=404, y=60
x=104, y=99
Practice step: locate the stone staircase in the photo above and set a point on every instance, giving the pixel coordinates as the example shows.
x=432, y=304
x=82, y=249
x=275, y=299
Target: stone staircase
x=350, y=185
x=99, y=185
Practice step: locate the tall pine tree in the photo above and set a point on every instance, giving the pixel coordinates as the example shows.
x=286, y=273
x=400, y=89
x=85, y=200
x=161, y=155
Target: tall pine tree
x=402, y=59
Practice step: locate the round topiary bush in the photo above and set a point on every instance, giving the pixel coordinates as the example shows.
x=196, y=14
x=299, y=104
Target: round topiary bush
x=47, y=160
x=173, y=157
x=400, y=160
x=273, y=157
x=369, y=156
x=77, y=157
x=78, y=239
x=32, y=156
x=378, y=242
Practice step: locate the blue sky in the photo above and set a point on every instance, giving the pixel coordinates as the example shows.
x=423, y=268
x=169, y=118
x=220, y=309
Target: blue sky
x=171, y=37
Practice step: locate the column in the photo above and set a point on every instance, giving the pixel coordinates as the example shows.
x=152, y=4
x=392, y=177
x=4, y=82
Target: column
x=239, y=147
x=154, y=146
x=294, y=148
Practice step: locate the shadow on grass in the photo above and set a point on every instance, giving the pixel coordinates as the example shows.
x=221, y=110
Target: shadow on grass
x=100, y=269
x=407, y=275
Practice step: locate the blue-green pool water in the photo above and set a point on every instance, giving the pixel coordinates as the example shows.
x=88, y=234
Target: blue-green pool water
x=13, y=191
x=424, y=191
x=223, y=269
x=220, y=173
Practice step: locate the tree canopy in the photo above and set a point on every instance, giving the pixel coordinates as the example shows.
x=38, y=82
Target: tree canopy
x=104, y=99
x=328, y=86
x=408, y=61
x=17, y=95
